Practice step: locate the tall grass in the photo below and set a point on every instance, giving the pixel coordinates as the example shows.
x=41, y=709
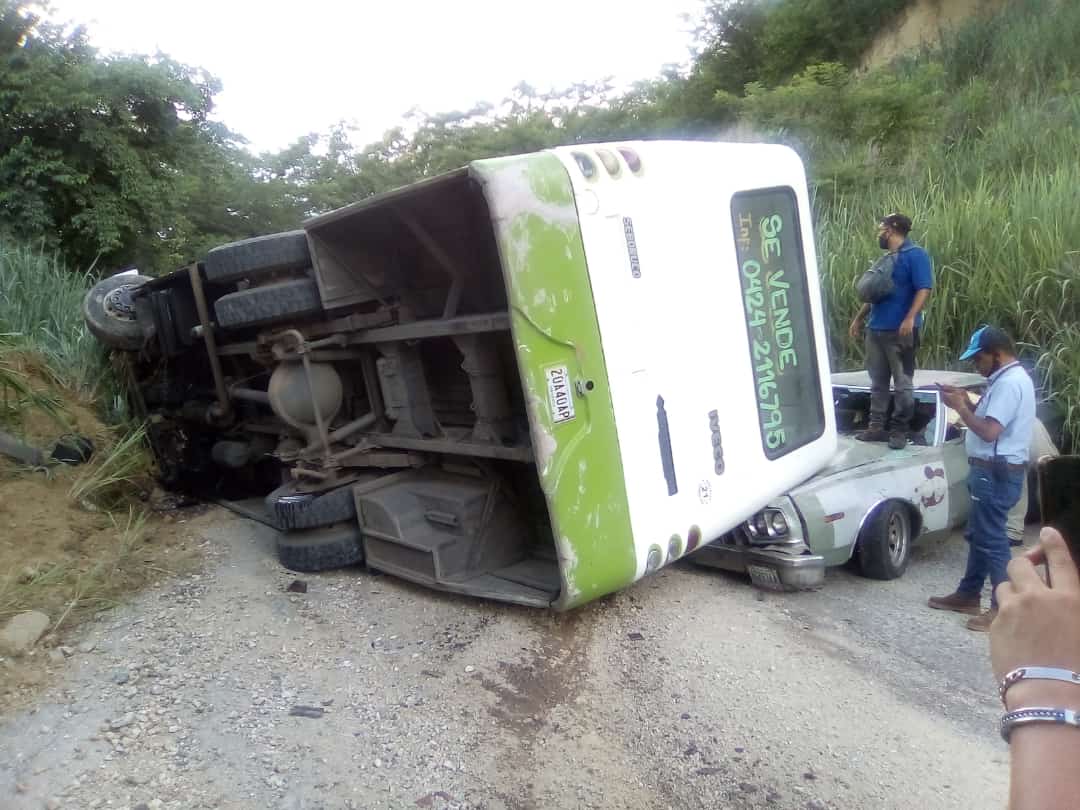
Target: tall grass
x=41, y=311
x=41, y=314
x=113, y=475
x=1028, y=49
x=1006, y=253
x=994, y=189
x=17, y=394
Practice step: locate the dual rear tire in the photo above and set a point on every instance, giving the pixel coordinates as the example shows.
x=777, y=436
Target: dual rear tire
x=321, y=549
x=318, y=530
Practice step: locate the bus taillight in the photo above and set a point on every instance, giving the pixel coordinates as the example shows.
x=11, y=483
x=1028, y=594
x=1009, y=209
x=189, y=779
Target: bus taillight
x=611, y=163
x=633, y=162
x=584, y=162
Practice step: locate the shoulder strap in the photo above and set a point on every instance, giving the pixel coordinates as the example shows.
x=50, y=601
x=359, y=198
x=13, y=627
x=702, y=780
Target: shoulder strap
x=1006, y=370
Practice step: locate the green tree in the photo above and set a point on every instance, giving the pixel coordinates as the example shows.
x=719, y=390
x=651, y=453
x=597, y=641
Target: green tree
x=110, y=159
x=728, y=52
x=797, y=34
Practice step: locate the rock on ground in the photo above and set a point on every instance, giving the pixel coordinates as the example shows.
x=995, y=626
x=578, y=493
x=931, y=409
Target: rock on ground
x=21, y=632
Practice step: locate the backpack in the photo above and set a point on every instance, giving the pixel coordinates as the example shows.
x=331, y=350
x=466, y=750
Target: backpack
x=877, y=282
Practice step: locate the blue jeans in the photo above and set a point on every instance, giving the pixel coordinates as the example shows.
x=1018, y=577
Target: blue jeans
x=988, y=541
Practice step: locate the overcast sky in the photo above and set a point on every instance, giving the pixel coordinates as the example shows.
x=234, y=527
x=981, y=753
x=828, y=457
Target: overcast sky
x=290, y=69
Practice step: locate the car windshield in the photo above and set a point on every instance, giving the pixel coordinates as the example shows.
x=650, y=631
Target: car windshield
x=853, y=411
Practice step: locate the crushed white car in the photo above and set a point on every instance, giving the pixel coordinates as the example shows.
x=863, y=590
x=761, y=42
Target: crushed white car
x=869, y=504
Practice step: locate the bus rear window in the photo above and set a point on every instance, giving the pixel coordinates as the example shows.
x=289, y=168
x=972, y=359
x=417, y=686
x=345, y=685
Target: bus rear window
x=779, y=325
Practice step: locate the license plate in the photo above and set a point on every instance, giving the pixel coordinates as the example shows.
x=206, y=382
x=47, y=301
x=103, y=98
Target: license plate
x=764, y=577
x=559, y=395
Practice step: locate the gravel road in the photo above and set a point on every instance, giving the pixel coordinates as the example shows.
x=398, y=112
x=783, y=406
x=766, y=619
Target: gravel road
x=691, y=689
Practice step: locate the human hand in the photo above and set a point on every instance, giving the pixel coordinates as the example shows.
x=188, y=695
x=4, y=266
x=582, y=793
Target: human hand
x=955, y=398
x=907, y=326
x=1038, y=623
x=855, y=329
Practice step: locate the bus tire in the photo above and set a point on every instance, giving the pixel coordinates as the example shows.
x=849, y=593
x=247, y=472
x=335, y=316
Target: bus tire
x=310, y=510
x=885, y=542
x=110, y=314
x=273, y=302
x=252, y=258
x=322, y=549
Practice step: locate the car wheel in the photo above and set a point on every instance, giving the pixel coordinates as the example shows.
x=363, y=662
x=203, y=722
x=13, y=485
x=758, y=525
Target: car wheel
x=109, y=312
x=272, y=302
x=321, y=549
x=252, y=258
x=885, y=542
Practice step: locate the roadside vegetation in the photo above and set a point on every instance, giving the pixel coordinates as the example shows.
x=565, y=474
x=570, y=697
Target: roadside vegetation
x=41, y=313
x=73, y=540
x=68, y=590
x=978, y=142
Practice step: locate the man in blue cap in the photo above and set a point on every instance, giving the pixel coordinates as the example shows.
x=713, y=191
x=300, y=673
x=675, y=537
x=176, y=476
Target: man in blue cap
x=998, y=443
x=892, y=335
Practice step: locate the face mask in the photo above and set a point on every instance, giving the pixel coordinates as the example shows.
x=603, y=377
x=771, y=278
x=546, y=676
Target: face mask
x=991, y=368
x=883, y=241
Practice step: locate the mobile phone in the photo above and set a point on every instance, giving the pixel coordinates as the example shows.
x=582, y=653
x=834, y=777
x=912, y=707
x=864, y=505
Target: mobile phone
x=1059, y=498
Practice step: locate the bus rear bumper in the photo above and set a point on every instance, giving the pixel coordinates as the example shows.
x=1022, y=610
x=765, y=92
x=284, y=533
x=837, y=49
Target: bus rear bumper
x=768, y=568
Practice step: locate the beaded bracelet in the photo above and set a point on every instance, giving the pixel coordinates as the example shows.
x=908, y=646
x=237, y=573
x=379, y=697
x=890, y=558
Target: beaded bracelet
x=1037, y=714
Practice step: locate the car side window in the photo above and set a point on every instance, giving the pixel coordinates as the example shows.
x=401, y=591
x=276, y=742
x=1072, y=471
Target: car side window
x=852, y=409
x=925, y=420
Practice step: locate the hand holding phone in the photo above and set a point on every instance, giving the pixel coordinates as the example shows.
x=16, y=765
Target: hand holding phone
x=954, y=397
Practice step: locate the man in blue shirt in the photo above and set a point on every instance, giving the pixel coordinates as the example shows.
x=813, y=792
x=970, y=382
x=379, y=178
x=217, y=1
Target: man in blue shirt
x=892, y=336
x=998, y=444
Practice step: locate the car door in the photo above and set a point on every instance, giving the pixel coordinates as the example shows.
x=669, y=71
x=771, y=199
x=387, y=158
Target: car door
x=926, y=467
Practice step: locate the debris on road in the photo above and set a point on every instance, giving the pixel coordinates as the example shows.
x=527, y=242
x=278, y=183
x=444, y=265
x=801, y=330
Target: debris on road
x=314, y=712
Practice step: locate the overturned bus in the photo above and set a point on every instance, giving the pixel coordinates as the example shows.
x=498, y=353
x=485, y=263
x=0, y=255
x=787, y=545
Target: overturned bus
x=536, y=379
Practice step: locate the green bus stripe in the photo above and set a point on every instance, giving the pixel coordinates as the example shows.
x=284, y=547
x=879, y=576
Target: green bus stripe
x=553, y=319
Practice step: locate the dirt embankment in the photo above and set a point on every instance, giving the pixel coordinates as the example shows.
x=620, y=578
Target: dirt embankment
x=924, y=22
x=59, y=554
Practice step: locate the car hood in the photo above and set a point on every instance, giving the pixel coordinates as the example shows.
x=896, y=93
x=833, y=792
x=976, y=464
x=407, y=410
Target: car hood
x=851, y=453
